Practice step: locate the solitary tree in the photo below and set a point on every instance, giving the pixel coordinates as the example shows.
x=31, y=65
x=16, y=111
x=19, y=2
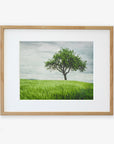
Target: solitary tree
x=65, y=61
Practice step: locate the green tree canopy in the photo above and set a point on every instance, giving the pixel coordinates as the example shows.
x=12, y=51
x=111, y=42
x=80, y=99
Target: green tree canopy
x=65, y=61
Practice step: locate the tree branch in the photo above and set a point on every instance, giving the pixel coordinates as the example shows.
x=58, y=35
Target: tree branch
x=68, y=71
x=59, y=70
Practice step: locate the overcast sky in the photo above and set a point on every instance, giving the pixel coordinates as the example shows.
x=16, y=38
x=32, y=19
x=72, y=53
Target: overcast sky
x=33, y=56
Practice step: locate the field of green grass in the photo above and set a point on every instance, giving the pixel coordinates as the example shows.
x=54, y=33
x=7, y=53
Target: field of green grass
x=55, y=89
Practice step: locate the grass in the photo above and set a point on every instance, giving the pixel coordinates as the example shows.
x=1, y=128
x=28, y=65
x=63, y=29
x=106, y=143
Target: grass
x=55, y=89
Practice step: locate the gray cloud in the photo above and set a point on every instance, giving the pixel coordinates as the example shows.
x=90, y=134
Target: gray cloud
x=34, y=54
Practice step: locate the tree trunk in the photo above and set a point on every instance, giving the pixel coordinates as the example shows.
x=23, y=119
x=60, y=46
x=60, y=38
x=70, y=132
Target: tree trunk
x=65, y=76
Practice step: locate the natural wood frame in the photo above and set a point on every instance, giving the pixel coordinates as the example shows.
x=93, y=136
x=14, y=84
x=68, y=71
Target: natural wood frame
x=2, y=28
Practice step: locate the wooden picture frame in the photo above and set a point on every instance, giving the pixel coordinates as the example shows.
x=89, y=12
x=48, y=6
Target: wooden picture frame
x=109, y=28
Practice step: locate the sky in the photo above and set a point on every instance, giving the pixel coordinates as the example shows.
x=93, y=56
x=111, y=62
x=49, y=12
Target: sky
x=33, y=56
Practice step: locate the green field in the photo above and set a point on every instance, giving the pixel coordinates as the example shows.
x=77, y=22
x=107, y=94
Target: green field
x=55, y=89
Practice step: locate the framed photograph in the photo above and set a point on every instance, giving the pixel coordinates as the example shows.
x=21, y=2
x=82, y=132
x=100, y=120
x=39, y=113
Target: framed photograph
x=56, y=70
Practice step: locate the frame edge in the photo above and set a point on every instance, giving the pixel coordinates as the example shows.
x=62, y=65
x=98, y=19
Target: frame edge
x=111, y=70
x=57, y=113
x=56, y=27
x=2, y=69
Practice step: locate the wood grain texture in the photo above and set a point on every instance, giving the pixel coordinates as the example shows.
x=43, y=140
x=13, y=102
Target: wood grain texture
x=0, y=68
x=56, y=113
x=111, y=70
x=2, y=28
x=60, y=27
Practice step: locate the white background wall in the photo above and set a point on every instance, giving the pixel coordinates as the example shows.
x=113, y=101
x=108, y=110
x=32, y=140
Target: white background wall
x=56, y=129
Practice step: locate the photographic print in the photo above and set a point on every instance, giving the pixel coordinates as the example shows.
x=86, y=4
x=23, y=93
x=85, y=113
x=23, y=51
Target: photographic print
x=56, y=70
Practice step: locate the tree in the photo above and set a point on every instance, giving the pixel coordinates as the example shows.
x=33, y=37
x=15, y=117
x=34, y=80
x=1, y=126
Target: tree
x=65, y=61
